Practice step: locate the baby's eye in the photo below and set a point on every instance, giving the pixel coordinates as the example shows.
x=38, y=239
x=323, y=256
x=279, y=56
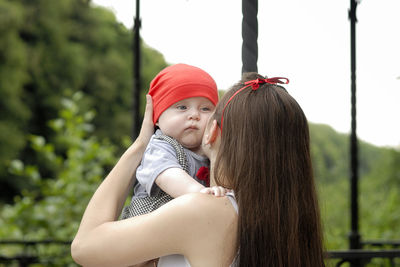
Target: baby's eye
x=181, y=107
x=205, y=109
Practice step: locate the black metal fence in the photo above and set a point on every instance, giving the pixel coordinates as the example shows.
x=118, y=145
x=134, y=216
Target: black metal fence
x=57, y=253
x=362, y=257
x=23, y=253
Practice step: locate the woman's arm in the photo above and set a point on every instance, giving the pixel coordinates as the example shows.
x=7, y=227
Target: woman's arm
x=106, y=204
x=199, y=226
x=194, y=225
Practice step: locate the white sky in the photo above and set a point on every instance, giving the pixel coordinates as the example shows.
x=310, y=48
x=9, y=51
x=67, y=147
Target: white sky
x=307, y=41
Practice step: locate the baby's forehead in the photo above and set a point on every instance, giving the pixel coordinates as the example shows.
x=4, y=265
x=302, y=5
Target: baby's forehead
x=195, y=100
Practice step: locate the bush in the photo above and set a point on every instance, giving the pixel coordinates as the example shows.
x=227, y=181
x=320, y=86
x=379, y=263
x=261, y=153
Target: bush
x=52, y=209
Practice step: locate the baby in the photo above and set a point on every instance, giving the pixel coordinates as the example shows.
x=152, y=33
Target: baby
x=173, y=164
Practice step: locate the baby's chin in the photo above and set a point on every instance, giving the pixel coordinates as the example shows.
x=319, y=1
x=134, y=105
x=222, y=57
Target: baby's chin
x=195, y=147
x=200, y=151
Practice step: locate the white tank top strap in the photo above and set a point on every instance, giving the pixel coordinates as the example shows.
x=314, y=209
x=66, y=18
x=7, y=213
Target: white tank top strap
x=231, y=197
x=173, y=261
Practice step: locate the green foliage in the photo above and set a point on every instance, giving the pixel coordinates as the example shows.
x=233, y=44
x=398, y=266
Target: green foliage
x=14, y=114
x=330, y=153
x=50, y=46
x=380, y=197
x=53, y=208
x=53, y=48
x=379, y=187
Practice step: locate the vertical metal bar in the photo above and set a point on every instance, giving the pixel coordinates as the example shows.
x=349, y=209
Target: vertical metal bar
x=354, y=236
x=136, y=73
x=249, y=35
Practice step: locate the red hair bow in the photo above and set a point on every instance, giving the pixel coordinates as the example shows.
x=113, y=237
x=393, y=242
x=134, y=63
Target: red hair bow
x=255, y=84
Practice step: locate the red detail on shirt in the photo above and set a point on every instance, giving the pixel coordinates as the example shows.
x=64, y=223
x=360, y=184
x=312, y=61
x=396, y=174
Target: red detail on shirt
x=203, y=174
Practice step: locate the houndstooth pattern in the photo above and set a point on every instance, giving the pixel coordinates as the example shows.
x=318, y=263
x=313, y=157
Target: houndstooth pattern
x=180, y=153
x=140, y=206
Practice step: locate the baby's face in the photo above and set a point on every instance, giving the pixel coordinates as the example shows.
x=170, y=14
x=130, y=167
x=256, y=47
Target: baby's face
x=186, y=120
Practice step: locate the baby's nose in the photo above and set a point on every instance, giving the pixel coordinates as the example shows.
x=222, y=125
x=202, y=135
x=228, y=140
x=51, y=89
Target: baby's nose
x=194, y=114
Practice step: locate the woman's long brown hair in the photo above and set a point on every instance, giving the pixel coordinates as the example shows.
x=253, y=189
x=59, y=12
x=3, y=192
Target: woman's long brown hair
x=265, y=158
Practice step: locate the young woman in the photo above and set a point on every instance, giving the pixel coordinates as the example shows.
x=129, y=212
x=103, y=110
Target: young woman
x=258, y=145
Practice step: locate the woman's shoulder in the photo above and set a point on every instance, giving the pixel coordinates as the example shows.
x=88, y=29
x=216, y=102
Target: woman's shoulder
x=210, y=224
x=201, y=211
x=208, y=204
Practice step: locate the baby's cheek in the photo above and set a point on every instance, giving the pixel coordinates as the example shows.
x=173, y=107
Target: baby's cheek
x=207, y=118
x=203, y=128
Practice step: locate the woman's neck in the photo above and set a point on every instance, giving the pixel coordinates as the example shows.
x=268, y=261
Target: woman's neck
x=212, y=178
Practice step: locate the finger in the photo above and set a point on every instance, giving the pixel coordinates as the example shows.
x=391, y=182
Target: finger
x=217, y=191
x=147, y=129
x=223, y=191
x=214, y=191
x=148, y=113
x=205, y=190
x=226, y=191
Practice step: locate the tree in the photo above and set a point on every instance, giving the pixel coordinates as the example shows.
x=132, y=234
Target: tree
x=14, y=113
x=52, y=48
x=54, y=209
